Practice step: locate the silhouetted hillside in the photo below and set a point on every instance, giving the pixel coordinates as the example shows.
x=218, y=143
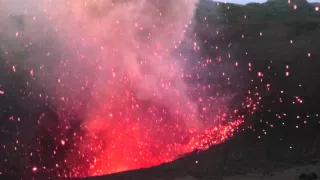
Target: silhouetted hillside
x=274, y=10
x=269, y=45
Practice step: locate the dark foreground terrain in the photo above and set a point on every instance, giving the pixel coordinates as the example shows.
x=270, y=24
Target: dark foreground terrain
x=281, y=139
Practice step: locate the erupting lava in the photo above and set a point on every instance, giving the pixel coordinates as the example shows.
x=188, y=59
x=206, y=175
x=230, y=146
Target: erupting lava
x=142, y=105
x=141, y=111
x=128, y=140
x=132, y=144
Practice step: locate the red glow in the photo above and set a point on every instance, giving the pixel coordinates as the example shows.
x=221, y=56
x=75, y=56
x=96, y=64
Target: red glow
x=131, y=148
x=140, y=135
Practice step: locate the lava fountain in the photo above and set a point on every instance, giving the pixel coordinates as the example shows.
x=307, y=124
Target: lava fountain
x=115, y=67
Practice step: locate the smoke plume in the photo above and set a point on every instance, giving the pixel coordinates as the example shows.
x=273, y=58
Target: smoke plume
x=111, y=44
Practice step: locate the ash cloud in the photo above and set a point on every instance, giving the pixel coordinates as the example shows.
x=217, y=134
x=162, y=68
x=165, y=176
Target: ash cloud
x=83, y=51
